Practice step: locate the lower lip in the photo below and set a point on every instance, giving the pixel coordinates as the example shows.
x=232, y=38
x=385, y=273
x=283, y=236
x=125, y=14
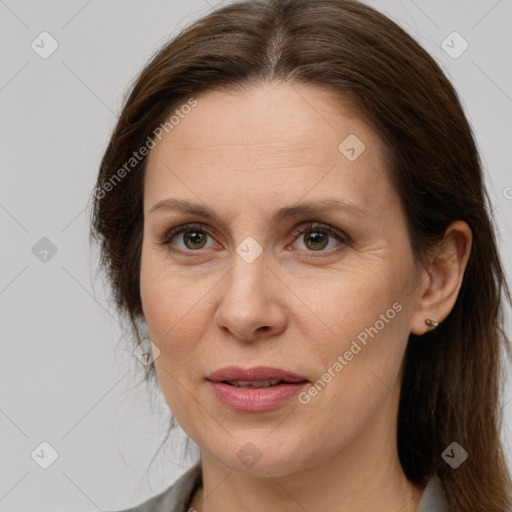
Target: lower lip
x=255, y=399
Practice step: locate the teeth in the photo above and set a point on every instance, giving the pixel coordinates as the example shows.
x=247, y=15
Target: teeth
x=253, y=383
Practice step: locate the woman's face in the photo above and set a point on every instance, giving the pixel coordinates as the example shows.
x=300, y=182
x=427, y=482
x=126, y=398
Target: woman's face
x=320, y=298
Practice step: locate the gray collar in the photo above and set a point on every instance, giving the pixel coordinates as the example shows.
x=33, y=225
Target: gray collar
x=434, y=498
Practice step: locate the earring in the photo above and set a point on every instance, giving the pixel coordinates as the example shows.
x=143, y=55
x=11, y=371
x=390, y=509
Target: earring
x=431, y=323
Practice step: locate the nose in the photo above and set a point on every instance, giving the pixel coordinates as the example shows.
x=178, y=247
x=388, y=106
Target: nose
x=250, y=308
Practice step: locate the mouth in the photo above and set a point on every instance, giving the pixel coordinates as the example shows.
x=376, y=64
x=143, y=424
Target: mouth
x=248, y=384
x=255, y=389
x=257, y=376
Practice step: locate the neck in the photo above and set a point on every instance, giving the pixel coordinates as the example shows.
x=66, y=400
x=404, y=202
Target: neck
x=362, y=475
x=365, y=477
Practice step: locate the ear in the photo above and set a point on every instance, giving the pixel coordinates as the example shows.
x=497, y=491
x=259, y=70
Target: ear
x=442, y=278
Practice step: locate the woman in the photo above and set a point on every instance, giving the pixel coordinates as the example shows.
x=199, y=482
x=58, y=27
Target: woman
x=292, y=207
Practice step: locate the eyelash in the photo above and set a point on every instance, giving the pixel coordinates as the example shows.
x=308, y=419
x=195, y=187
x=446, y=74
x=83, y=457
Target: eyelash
x=296, y=233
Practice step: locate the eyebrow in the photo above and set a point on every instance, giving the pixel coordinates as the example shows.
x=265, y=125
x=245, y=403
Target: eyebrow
x=305, y=208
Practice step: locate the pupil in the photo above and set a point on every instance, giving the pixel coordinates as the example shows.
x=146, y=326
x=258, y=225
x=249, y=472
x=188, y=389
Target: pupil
x=316, y=239
x=195, y=238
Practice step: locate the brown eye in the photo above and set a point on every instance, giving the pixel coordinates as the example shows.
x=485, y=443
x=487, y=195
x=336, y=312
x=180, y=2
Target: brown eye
x=316, y=240
x=315, y=237
x=188, y=238
x=196, y=238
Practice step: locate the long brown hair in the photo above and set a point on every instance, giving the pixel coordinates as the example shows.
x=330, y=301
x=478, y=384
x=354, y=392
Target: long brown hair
x=453, y=375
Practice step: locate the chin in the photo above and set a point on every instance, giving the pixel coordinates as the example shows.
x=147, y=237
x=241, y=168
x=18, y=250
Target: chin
x=254, y=455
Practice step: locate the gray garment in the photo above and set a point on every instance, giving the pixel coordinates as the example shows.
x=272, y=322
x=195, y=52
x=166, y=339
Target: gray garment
x=434, y=498
x=177, y=497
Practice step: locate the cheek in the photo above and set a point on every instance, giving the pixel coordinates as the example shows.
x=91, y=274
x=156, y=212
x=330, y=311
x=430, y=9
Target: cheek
x=357, y=367
x=165, y=298
x=168, y=309
x=366, y=318
x=348, y=303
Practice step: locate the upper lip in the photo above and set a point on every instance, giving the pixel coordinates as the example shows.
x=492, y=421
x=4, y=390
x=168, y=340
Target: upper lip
x=255, y=373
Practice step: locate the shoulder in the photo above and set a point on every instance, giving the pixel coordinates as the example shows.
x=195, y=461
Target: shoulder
x=176, y=497
x=434, y=497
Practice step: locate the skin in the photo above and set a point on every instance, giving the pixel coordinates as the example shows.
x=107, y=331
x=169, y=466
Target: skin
x=245, y=153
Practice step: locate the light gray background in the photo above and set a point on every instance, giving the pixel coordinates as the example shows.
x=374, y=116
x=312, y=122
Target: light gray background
x=62, y=379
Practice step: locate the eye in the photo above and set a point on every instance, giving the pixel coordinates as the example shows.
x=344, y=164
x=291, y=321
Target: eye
x=193, y=238
x=316, y=236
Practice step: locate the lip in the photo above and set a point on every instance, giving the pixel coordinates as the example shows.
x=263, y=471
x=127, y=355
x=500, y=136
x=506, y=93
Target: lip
x=254, y=373
x=257, y=399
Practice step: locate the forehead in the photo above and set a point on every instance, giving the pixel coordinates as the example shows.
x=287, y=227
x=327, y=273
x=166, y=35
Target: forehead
x=287, y=117
x=267, y=141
